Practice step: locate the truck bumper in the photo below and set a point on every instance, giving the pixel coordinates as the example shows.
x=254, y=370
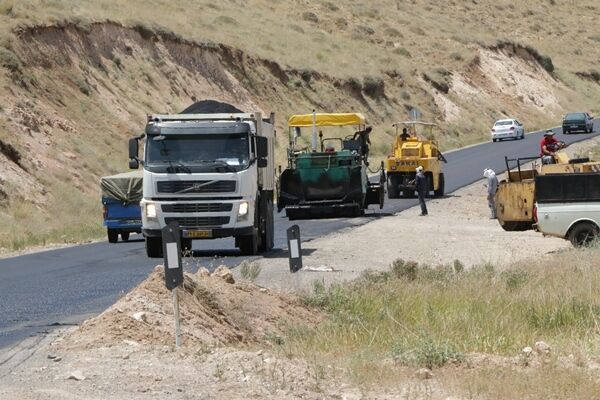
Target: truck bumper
x=215, y=232
x=123, y=226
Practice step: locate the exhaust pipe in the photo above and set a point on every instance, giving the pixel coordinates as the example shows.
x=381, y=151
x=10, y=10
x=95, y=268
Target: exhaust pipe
x=314, y=131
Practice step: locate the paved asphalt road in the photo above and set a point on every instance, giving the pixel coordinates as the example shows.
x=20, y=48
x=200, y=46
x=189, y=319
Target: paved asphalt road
x=64, y=286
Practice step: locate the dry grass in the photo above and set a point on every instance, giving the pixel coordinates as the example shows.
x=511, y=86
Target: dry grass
x=428, y=316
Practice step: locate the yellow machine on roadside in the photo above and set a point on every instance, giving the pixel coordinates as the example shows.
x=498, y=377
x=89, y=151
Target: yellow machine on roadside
x=412, y=148
x=515, y=198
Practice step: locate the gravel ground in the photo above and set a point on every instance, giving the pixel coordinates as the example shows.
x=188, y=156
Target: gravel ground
x=458, y=227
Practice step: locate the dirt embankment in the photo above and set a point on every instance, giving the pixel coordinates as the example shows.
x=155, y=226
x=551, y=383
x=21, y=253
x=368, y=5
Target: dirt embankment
x=213, y=312
x=73, y=93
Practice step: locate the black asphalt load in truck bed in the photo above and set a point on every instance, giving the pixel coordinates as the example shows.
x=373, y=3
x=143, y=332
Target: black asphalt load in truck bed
x=211, y=107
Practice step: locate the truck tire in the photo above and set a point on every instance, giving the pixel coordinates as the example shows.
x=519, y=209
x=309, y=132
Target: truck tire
x=154, y=247
x=583, y=233
x=124, y=236
x=248, y=245
x=392, y=187
x=268, y=237
x=113, y=235
x=186, y=245
x=440, y=190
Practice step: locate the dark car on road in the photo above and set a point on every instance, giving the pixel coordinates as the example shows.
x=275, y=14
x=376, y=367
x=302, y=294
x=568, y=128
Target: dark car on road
x=579, y=121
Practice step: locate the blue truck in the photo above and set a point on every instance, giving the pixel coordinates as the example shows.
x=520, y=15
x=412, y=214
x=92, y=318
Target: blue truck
x=121, y=195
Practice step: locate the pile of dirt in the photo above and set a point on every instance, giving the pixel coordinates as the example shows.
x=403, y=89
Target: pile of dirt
x=212, y=311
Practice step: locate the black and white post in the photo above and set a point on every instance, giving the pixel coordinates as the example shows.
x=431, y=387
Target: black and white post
x=171, y=238
x=295, y=250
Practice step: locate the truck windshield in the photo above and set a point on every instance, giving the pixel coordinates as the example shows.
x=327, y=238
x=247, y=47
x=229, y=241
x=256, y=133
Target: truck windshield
x=212, y=151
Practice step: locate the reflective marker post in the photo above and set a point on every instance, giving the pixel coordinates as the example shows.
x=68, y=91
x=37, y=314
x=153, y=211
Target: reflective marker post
x=294, y=248
x=171, y=239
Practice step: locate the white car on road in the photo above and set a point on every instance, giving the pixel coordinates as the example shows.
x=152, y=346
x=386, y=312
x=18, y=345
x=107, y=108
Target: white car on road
x=507, y=129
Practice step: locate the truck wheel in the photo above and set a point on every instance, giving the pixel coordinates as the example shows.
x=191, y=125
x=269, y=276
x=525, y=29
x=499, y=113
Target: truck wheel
x=186, y=244
x=124, y=236
x=392, y=187
x=268, y=237
x=154, y=247
x=248, y=245
x=440, y=190
x=583, y=234
x=113, y=235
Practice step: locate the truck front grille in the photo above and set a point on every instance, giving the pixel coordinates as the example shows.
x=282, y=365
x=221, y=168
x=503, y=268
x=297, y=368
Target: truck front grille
x=197, y=207
x=198, y=222
x=195, y=186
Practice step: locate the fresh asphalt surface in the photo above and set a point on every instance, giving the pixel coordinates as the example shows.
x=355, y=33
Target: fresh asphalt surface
x=64, y=286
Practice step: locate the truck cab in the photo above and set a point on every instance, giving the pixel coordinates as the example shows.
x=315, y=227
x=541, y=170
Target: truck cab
x=211, y=173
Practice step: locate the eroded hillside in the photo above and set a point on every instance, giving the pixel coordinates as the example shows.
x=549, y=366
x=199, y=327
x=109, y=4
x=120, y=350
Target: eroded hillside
x=75, y=86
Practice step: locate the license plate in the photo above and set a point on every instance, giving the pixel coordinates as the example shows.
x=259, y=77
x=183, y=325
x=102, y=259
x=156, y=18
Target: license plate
x=574, y=126
x=197, y=234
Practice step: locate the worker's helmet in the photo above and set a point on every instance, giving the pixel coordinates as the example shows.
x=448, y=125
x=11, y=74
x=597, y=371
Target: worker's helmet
x=419, y=169
x=488, y=172
x=549, y=132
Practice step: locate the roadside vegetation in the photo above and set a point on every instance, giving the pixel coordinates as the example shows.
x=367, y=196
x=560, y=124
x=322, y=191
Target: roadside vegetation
x=446, y=318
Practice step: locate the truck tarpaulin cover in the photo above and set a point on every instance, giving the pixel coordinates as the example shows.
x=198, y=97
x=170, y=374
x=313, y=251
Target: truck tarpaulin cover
x=125, y=187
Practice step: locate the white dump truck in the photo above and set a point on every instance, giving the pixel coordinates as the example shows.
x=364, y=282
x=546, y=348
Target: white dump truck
x=213, y=173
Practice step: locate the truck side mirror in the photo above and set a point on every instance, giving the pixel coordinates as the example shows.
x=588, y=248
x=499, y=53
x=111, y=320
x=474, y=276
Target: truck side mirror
x=262, y=147
x=133, y=148
x=134, y=163
x=133, y=154
x=262, y=163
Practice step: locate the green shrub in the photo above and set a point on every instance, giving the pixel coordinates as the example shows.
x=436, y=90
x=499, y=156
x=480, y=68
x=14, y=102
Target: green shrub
x=9, y=60
x=425, y=352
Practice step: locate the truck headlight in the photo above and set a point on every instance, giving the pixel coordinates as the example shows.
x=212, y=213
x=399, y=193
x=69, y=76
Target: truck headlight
x=151, y=210
x=243, y=210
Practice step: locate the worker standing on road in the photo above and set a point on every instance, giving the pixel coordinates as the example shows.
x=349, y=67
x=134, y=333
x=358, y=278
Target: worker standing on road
x=422, y=187
x=492, y=187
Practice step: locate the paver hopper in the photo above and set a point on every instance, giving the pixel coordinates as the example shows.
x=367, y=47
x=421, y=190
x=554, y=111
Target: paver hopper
x=333, y=181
